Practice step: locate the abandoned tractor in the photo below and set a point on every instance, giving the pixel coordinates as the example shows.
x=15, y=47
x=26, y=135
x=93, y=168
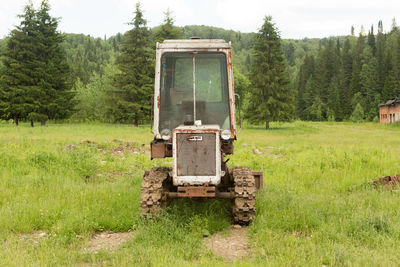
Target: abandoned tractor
x=195, y=124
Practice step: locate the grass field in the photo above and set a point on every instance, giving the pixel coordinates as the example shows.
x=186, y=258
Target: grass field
x=317, y=207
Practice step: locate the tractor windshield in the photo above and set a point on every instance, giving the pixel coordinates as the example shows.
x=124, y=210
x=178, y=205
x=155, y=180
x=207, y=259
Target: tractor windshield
x=194, y=86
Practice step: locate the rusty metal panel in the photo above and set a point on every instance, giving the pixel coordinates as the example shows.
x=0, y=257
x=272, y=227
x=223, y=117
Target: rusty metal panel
x=196, y=191
x=157, y=150
x=196, y=154
x=231, y=92
x=258, y=177
x=157, y=94
x=227, y=148
x=197, y=179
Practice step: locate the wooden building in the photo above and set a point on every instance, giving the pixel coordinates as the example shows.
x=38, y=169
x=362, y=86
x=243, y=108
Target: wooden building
x=389, y=112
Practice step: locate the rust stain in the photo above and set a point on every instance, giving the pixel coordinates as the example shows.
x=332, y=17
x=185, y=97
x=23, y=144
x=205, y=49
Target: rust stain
x=231, y=92
x=258, y=177
x=196, y=191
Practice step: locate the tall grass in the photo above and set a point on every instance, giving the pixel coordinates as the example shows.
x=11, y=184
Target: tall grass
x=316, y=208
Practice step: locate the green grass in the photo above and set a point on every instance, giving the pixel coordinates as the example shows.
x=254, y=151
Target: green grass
x=316, y=208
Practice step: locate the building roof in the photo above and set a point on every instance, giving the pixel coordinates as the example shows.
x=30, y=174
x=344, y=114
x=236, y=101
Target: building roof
x=390, y=102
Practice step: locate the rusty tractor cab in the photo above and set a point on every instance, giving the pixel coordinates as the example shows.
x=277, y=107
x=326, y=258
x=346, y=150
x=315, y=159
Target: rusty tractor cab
x=195, y=124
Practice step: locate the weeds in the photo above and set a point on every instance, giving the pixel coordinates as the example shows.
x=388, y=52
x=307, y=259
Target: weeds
x=317, y=206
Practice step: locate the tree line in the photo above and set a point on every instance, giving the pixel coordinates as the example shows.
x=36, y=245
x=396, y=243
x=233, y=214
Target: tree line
x=111, y=79
x=348, y=78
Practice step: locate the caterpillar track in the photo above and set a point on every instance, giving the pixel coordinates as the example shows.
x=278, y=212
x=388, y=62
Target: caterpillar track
x=243, y=205
x=153, y=193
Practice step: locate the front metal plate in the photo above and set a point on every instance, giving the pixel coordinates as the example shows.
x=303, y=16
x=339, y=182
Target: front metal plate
x=195, y=154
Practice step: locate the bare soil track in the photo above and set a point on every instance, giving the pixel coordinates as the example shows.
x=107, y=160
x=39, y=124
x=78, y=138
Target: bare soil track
x=230, y=245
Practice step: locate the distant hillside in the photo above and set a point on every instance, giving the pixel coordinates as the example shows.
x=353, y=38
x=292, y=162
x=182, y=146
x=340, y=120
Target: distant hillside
x=87, y=54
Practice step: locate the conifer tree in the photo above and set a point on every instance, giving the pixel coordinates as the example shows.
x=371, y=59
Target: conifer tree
x=52, y=70
x=369, y=79
x=270, y=97
x=306, y=71
x=380, y=51
x=355, y=83
x=132, y=100
x=358, y=113
x=334, y=100
x=36, y=74
x=346, y=71
x=167, y=30
x=16, y=100
x=371, y=40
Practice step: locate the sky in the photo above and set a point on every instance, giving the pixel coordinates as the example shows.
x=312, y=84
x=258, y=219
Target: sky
x=294, y=19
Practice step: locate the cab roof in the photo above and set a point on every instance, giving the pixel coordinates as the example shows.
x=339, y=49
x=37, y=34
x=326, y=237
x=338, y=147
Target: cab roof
x=194, y=44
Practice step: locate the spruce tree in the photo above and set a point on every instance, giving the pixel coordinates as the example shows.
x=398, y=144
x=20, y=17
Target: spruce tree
x=358, y=113
x=380, y=51
x=306, y=71
x=371, y=40
x=355, y=83
x=369, y=79
x=346, y=72
x=52, y=71
x=35, y=74
x=167, y=30
x=391, y=87
x=132, y=100
x=334, y=107
x=270, y=98
x=17, y=83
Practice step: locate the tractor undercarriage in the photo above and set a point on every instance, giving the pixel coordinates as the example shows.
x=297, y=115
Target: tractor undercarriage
x=238, y=184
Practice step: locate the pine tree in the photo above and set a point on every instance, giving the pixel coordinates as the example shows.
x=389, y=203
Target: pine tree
x=355, y=83
x=371, y=40
x=346, y=72
x=380, y=51
x=52, y=70
x=16, y=100
x=334, y=100
x=306, y=71
x=132, y=100
x=392, y=82
x=270, y=97
x=358, y=113
x=167, y=30
x=35, y=72
x=369, y=79
x=309, y=96
x=317, y=110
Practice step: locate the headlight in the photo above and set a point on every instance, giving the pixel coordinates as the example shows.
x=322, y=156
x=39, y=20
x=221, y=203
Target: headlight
x=225, y=134
x=166, y=134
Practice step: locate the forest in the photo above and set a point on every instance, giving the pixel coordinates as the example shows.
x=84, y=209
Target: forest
x=334, y=78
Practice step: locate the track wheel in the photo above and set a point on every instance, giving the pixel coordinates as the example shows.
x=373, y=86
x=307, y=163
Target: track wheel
x=153, y=193
x=244, y=203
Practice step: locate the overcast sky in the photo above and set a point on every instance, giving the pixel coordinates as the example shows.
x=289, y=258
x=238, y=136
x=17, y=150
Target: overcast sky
x=294, y=19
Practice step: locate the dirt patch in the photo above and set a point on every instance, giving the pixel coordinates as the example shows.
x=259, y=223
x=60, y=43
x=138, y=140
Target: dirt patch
x=107, y=240
x=120, y=147
x=387, y=181
x=33, y=237
x=117, y=147
x=257, y=152
x=230, y=245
